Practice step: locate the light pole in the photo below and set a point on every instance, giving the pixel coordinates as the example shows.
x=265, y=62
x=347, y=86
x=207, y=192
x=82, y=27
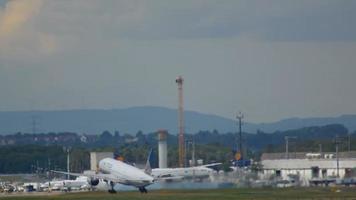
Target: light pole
x=191, y=143
x=349, y=142
x=67, y=149
x=287, y=144
x=337, y=142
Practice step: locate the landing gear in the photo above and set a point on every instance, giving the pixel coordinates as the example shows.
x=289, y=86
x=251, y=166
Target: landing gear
x=142, y=190
x=112, y=190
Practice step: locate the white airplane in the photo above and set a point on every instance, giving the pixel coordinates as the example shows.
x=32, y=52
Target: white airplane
x=114, y=171
x=199, y=172
x=80, y=182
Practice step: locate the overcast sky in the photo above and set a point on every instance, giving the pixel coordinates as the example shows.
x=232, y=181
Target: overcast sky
x=271, y=59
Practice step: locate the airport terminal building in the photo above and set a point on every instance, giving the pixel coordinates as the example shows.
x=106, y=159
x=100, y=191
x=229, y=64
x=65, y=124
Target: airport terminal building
x=309, y=167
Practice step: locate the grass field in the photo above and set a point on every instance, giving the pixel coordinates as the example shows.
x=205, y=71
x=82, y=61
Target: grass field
x=216, y=194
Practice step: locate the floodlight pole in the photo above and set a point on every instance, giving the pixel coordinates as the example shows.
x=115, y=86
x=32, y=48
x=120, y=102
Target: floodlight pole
x=287, y=145
x=337, y=142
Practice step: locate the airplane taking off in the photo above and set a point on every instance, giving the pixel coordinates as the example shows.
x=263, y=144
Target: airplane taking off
x=114, y=171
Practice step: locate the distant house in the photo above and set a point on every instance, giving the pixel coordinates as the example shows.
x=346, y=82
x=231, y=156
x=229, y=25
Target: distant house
x=83, y=138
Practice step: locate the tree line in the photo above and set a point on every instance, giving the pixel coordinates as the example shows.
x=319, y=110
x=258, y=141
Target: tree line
x=211, y=146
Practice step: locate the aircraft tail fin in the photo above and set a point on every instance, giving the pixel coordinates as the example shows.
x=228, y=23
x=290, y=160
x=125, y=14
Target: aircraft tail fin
x=148, y=169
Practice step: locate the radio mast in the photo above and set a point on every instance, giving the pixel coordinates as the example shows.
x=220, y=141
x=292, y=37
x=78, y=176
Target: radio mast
x=181, y=151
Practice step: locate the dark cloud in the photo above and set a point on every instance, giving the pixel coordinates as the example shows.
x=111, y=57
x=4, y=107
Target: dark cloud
x=335, y=21
x=274, y=20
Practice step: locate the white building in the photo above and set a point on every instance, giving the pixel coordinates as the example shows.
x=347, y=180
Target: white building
x=162, y=148
x=95, y=158
x=308, y=166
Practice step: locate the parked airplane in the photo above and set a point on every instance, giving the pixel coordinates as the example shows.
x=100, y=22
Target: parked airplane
x=197, y=172
x=114, y=171
x=80, y=182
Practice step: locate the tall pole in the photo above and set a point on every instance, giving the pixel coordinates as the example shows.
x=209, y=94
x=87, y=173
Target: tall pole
x=240, y=116
x=38, y=167
x=337, y=142
x=349, y=143
x=193, y=157
x=337, y=160
x=181, y=149
x=287, y=145
x=193, y=152
x=67, y=150
x=68, y=163
x=186, y=150
x=34, y=125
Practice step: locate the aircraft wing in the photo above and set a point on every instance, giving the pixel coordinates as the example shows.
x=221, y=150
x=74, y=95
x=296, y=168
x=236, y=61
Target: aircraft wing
x=211, y=165
x=69, y=173
x=107, y=177
x=170, y=178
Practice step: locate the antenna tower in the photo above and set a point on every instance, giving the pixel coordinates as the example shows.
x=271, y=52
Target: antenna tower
x=239, y=117
x=181, y=152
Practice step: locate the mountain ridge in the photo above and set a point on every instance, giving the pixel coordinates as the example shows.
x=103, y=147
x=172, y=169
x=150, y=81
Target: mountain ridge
x=147, y=119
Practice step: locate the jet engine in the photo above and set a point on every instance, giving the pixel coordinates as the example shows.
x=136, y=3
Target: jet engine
x=94, y=182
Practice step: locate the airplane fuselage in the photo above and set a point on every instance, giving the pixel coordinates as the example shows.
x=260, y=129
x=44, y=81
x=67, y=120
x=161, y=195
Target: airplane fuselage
x=120, y=170
x=80, y=182
x=188, y=172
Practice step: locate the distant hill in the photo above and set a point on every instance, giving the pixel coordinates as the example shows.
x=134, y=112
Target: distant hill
x=147, y=119
x=349, y=121
x=130, y=120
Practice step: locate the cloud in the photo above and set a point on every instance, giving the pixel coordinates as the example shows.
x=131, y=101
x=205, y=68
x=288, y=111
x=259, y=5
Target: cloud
x=15, y=15
x=273, y=20
x=19, y=38
x=318, y=21
x=47, y=26
x=33, y=29
x=125, y=52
